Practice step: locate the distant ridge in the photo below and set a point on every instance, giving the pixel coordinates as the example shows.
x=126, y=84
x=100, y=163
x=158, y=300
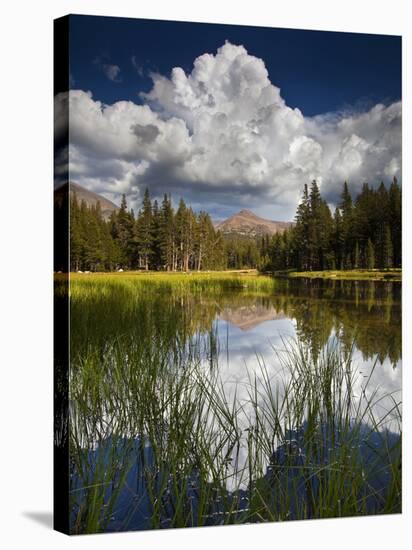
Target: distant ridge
x=246, y=223
x=89, y=197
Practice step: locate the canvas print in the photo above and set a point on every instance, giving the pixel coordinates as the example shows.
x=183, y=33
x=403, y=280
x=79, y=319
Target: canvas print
x=228, y=255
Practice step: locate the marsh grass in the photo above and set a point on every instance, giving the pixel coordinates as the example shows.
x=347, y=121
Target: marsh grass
x=157, y=442
x=85, y=286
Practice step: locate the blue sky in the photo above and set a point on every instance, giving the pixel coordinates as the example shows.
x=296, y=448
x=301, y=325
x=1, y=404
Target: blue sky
x=317, y=71
x=284, y=106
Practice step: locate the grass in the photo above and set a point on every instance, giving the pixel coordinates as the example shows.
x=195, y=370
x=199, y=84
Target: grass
x=299, y=446
x=156, y=440
x=236, y=279
x=178, y=277
x=97, y=285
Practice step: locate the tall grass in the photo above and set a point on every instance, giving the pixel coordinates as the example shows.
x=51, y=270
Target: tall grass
x=156, y=441
x=116, y=285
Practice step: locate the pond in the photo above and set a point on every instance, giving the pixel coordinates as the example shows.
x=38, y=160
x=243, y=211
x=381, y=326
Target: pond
x=364, y=318
x=230, y=404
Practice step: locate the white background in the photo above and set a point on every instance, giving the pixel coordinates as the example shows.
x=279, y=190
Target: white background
x=26, y=265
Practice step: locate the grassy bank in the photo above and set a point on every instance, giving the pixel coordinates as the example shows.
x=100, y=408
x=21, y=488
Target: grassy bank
x=243, y=278
x=137, y=282
x=350, y=274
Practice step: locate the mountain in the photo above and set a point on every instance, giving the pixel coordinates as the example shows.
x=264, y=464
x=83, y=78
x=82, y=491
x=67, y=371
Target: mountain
x=248, y=224
x=87, y=196
x=249, y=317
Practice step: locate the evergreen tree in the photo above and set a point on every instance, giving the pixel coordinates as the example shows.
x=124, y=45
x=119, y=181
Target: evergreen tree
x=76, y=235
x=180, y=230
x=166, y=236
x=301, y=233
x=202, y=239
x=325, y=237
x=338, y=240
x=156, y=256
x=209, y=245
x=395, y=221
x=356, y=256
x=365, y=233
x=144, y=232
x=387, y=249
x=315, y=228
x=346, y=208
x=122, y=227
x=362, y=220
x=370, y=255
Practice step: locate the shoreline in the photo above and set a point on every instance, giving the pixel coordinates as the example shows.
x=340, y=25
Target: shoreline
x=341, y=275
x=394, y=275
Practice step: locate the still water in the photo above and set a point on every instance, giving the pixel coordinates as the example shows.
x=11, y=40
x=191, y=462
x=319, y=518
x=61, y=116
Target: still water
x=360, y=316
x=239, y=338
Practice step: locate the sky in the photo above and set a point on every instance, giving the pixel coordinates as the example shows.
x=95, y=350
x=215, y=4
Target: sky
x=229, y=117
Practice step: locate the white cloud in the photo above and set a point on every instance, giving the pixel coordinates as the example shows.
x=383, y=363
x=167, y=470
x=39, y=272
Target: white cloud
x=224, y=135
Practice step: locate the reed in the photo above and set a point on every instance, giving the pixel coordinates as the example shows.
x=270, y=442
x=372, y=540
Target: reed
x=156, y=440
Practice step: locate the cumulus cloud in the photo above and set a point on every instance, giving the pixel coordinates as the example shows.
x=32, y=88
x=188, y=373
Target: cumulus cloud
x=359, y=147
x=223, y=137
x=146, y=133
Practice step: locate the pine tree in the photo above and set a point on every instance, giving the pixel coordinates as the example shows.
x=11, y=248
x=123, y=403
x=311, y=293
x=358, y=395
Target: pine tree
x=346, y=208
x=370, y=255
x=96, y=249
x=301, y=232
x=122, y=228
x=156, y=257
x=219, y=256
x=166, y=235
x=362, y=221
x=356, y=256
x=325, y=236
x=202, y=239
x=144, y=232
x=338, y=240
x=185, y=232
x=180, y=228
x=314, y=227
x=76, y=235
x=363, y=233
x=395, y=221
x=209, y=245
x=387, y=252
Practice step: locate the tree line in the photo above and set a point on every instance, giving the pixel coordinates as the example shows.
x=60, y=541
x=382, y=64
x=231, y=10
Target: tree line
x=158, y=238
x=362, y=233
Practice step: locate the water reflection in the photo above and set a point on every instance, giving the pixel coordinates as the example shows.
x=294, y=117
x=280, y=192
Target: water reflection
x=126, y=437
x=361, y=313
x=366, y=314
x=363, y=318
x=247, y=317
